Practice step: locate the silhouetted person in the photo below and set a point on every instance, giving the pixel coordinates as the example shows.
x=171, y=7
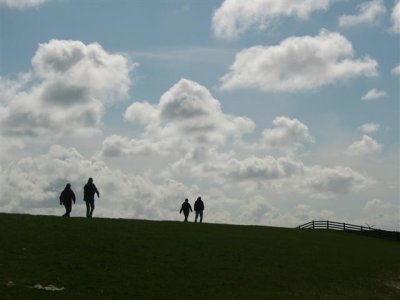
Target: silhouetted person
x=186, y=208
x=198, y=208
x=66, y=198
x=88, y=196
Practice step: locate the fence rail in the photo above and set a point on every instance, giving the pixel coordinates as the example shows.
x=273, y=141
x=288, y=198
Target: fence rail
x=367, y=230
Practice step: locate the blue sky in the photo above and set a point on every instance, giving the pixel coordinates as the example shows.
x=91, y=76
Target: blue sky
x=274, y=114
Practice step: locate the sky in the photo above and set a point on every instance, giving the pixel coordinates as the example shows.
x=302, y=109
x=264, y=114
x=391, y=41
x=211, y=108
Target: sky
x=274, y=112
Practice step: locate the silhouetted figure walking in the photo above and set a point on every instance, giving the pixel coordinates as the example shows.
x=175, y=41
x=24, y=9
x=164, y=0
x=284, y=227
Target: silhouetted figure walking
x=88, y=196
x=66, y=198
x=186, y=208
x=198, y=208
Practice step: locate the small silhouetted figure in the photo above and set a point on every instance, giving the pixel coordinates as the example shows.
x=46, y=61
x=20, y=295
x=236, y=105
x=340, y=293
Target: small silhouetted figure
x=66, y=198
x=88, y=196
x=186, y=208
x=198, y=208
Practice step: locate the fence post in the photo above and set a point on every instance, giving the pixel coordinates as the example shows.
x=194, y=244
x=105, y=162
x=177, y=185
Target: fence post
x=344, y=226
x=313, y=224
x=327, y=224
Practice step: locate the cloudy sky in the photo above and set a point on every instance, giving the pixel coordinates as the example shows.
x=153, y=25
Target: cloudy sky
x=275, y=112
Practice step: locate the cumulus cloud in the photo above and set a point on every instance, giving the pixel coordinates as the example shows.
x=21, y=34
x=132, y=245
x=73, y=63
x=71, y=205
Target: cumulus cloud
x=368, y=12
x=267, y=168
x=116, y=145
x=234, y=17
x=396, y=71
x=142, y=113
x=366, y=145
x=21, y=4
x=373, y=95
x=66, y=91
x=297, y=63
x=396, y=17
x=284, y=175
x=288, y=133
x=314, y=181
x=186, y=116
x=369, y=128
x=328, y=182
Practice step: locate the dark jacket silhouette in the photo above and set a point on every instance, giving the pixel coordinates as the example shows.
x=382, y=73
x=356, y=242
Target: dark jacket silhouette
x=198, y=208
x=186, y=208
x=89, y=190
x=66, y=198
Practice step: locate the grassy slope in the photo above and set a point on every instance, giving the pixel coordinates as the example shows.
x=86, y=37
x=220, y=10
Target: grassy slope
x=129, y=259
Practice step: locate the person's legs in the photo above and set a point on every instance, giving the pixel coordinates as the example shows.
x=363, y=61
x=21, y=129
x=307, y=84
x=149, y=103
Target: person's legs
x=186, y=216
x=197, y=214
x=87, y=209
x=68, y=207
x=201, y=216
x=91, y=208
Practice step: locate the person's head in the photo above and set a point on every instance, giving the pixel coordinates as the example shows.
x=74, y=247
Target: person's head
x=90, y=180
x=186, y=200
x=68, y=186
x=198, y=198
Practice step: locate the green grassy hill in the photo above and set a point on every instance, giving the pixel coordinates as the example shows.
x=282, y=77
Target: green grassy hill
x=131, y=259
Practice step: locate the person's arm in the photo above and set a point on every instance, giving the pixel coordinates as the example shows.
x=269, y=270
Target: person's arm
x=181, y=209
x=60, y=199
x=97, y=191
x=190, y=207
x=73, y=195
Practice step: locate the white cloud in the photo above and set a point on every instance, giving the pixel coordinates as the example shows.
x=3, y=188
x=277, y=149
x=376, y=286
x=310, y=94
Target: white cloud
x=116, y=145
x=369, y=128
x=21, y=4
x=396, y=71
x=66, y=92
x=368, y=12
x=282, y=175
x=234, y=17
x=288, y=133
x=186, y=116
x=373, y=95
x=396, y=17
x=143, y=113
x=366, y=145
x=321, y=182
x=297, y=63
x=267, y=168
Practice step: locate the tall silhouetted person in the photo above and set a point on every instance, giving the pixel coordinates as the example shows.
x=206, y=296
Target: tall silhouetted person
x=66, y=198
x=88, y=196
x=198, y=208
x=186, y=209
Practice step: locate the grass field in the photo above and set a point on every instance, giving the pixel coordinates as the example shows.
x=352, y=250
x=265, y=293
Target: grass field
x=132, y=259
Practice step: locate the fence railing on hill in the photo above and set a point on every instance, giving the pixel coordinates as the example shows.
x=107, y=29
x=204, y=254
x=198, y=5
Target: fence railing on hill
x=367, y=230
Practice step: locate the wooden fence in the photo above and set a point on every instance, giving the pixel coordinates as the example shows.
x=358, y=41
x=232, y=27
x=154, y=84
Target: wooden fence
x=366, y=230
